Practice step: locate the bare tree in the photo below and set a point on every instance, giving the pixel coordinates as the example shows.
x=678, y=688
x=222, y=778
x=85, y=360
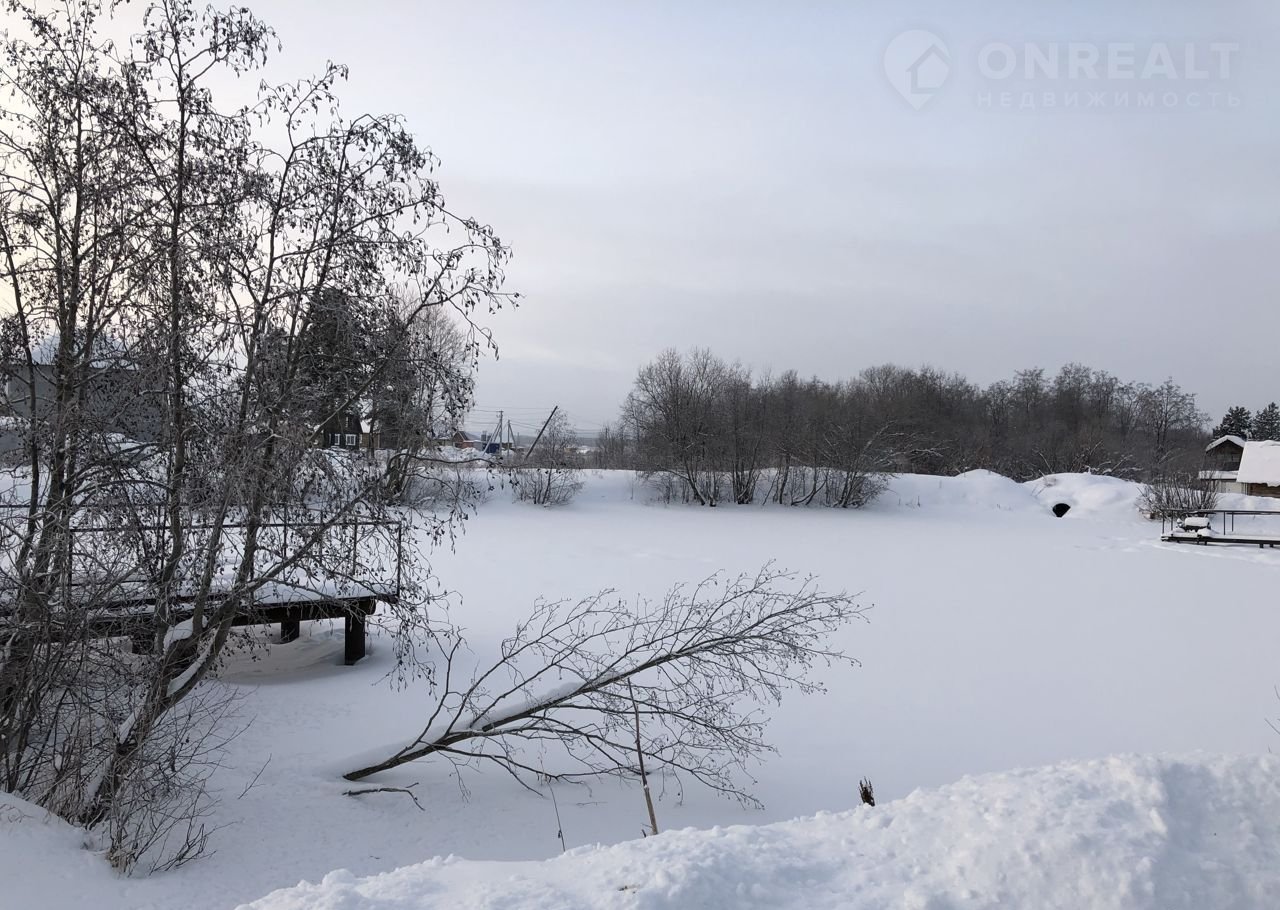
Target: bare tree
x=574, y=679
x=1168, y=414
x=424, y=393
x=551, y=475
x=613, y=449
x=196, y=265
x=699, y=428
x=675, y=412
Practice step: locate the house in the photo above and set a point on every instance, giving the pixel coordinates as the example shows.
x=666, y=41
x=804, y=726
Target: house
x=1223, y=454
x=342, y=431
x=461, y=439
x=118, y=399
x=1238, y=465
x=1259, y=473
x=485, y=442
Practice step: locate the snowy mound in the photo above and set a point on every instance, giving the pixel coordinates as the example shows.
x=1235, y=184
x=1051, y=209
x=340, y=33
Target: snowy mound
x=972, y=491
x=1088, y=494
x=1128, y=832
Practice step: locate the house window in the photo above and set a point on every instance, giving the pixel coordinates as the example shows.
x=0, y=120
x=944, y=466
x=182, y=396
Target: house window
x=350, y=440
x=335, y=439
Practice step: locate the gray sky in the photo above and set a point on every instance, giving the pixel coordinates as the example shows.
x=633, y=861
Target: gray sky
x=751, y=177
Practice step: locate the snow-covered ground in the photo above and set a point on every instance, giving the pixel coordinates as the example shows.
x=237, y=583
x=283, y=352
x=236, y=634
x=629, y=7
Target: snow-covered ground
x=1000, y=638
x=1125, y=832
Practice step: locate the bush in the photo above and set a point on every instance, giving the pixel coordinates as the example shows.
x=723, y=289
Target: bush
x=436, y=485
x=1170, y=496
x=853, y=489
x=551, y=474
x=554, y=485
x=671, y=486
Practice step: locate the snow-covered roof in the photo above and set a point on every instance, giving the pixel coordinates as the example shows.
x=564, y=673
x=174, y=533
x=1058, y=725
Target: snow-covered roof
x=1260, y=463
x=1234, y=440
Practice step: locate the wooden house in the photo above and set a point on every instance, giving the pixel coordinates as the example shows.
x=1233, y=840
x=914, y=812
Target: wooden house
x=1239, y=465
x=342, y=431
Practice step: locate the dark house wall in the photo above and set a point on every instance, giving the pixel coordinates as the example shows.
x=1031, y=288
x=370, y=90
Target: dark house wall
x=1224, y=457
x=117, y=400
x=1261, y=489
x=341, y=431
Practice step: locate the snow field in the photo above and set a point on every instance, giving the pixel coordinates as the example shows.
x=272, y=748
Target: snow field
x=1000, y=637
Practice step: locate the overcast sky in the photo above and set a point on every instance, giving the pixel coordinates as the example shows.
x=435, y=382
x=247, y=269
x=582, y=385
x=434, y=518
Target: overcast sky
x=756, y=178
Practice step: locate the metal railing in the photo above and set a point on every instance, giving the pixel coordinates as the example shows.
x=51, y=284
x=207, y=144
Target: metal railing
x=128, y=540
x=1170, y=519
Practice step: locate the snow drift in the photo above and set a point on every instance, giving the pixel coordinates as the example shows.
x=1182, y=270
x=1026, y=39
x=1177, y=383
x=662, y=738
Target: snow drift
x=1088, y=494
x=1125, y=832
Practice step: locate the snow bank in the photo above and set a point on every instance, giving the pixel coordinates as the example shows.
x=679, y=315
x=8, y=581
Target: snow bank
x=1126, y=832
x=1087, y=494
x=973, y=490
x=985, y=491
x=1095, y=495
x=45, y=862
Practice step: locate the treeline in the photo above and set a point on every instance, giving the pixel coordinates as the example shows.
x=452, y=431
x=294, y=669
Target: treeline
x=1239, y=421
x=712, y=431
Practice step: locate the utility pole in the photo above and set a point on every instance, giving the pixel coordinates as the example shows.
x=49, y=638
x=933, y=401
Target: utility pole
x=540, y=432
x=496, y=438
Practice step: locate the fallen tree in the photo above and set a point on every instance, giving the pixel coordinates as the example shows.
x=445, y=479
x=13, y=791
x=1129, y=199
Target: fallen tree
x=692, y=671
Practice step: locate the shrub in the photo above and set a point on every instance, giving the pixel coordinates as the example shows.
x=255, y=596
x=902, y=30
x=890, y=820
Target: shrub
x=1170, y=496
x=553, y=485
x=552, y=472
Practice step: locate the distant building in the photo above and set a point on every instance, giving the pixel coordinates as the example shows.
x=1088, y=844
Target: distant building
x=1238, y=465
x=1259, y=473
x=484, y=442
x=461, y=439
x=117, y=400
x=342, y=431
